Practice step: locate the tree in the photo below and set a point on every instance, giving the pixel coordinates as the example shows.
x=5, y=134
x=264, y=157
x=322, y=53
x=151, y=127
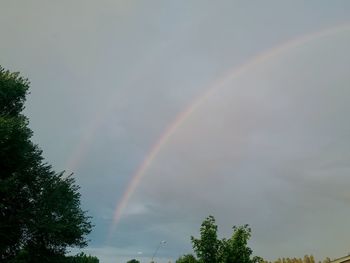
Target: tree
x=188, y=258
x=234, y=250
x=81, y=258
x=40, y=213
x=236, y=247
x=18, y=156
x=133, y=261
x=207, y=247
x=58, y=222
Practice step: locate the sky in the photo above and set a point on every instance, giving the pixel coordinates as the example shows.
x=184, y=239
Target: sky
x=170, y=111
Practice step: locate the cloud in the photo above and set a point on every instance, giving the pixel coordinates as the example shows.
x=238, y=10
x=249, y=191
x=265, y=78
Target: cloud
x=270, y=149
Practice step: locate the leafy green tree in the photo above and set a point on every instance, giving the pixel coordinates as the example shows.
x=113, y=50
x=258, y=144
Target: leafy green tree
x=233, y=250
x=236, y=248
x=40, y=214
x=188, y=258
x=133, y=261
x=207, y=246
x=18, y=158
x=58, y=222
x=81, y=258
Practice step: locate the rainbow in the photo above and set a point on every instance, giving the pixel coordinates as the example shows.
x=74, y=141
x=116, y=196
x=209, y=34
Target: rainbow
x=182, y=117
x=226, y=78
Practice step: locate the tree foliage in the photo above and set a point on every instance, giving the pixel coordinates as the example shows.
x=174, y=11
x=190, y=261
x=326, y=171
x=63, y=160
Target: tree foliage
x=188, y=258
x=207, y=246
x=40, y=214
x=81, y=258
x=236, y=248
x=133, y=261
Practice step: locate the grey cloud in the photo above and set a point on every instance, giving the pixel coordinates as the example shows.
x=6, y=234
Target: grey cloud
x=261, y=153
x=277, y=136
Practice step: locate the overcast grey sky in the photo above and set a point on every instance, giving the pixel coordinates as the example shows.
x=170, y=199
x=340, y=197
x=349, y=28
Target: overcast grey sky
x=270, y=147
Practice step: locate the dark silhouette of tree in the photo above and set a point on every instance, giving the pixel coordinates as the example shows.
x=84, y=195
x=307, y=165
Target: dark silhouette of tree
x=40, y=212
x=81, y=258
